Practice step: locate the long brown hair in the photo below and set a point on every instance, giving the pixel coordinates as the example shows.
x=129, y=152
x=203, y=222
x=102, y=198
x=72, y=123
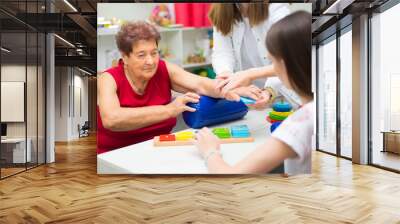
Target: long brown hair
x=224, y=15
x=289, y=39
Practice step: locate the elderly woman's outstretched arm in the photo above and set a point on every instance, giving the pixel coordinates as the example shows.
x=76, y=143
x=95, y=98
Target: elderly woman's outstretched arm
x=117, y=118
x=183, y=81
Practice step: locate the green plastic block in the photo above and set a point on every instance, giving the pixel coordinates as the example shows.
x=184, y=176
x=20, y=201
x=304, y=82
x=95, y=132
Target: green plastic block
x=222, y=132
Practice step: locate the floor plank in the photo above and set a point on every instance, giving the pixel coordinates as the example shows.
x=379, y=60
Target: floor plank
x=70, y=191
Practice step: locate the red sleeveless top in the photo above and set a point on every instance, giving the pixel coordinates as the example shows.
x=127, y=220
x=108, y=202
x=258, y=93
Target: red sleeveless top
x=157, y=92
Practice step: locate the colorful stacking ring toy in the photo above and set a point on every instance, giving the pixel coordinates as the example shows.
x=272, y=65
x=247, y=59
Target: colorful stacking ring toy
x=280, y=111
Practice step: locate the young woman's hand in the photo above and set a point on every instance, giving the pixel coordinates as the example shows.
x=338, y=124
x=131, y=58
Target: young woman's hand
x=239, y=79
x=262, y=102
x=243, y=78
x=251, y=91
x=222, y=79
x=206, y=141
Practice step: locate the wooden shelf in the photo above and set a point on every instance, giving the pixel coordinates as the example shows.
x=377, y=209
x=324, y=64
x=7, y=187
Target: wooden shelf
x=196, y=65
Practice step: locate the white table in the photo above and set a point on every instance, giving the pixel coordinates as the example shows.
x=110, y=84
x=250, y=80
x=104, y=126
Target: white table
x=18, y=151
x=144, y=158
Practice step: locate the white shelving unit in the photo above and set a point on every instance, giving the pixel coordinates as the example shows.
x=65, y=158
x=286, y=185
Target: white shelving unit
x=114, y=30
x=180, y=42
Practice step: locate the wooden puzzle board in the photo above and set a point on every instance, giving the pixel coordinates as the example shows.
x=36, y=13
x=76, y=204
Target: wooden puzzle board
x=157, y=142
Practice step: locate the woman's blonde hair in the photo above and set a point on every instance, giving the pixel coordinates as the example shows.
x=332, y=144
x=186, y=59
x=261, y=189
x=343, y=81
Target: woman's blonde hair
x=224, y=15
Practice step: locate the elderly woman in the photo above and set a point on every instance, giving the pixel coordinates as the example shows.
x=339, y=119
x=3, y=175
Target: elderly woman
x=134, y=98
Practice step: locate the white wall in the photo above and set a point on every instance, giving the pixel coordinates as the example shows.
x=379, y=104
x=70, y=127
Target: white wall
x=314, y=89
x=125, y=11
x=61, y=103
x=14, y=73
x=300, y=6
x=68, y=83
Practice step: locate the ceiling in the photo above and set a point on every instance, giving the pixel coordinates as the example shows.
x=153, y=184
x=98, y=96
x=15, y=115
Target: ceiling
x=76, y=23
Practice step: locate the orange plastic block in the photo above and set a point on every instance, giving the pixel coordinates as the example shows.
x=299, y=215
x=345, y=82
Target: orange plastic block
x=167, y=138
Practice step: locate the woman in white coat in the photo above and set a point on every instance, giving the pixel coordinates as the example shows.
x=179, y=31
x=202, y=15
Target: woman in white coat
x=239, y=50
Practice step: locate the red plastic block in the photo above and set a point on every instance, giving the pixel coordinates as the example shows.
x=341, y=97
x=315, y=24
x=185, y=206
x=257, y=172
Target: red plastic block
x=167, y=138
x=271, y=120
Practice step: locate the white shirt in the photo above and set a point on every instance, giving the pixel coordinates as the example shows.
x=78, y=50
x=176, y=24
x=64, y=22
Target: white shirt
x=297, y=132
x=250, y=60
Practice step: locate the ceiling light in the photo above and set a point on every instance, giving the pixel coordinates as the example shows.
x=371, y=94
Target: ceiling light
x=337, y=7
x=64, y=40
x=70, y=5
x=5, y=50
x=84, y=71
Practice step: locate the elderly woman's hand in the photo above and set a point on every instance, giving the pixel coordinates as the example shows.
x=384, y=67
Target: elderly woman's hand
x=179, y=104
x=206, y=141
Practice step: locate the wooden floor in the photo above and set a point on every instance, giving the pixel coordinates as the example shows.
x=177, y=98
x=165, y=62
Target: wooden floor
x=70, y=191
x=10, y=171
x=387, y=159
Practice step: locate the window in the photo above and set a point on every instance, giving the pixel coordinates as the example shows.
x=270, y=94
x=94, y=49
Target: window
x=346, y=92
x=22, y=77
x=326, y=95
x=385, y=88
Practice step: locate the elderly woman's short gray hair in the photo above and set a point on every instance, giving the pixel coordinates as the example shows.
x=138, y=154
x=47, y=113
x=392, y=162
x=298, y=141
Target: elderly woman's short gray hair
x=132, y=32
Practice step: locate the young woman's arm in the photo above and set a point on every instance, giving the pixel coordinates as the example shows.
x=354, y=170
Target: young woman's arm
x=245, y=78
x=262, y=160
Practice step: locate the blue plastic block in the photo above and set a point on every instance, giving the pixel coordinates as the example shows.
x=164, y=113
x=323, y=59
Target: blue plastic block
x=282, y=107
x=275, y=126
x=211, y=111
x=240, y=131
x=247, y=100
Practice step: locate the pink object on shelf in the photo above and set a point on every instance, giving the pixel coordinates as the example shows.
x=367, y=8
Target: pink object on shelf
x=192, y=14
x=198, y=14
x=182, y=13
x=206, y=20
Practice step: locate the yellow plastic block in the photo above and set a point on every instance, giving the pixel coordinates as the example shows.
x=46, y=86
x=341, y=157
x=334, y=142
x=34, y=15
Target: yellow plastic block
x=183, y=136
x=281, y=114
